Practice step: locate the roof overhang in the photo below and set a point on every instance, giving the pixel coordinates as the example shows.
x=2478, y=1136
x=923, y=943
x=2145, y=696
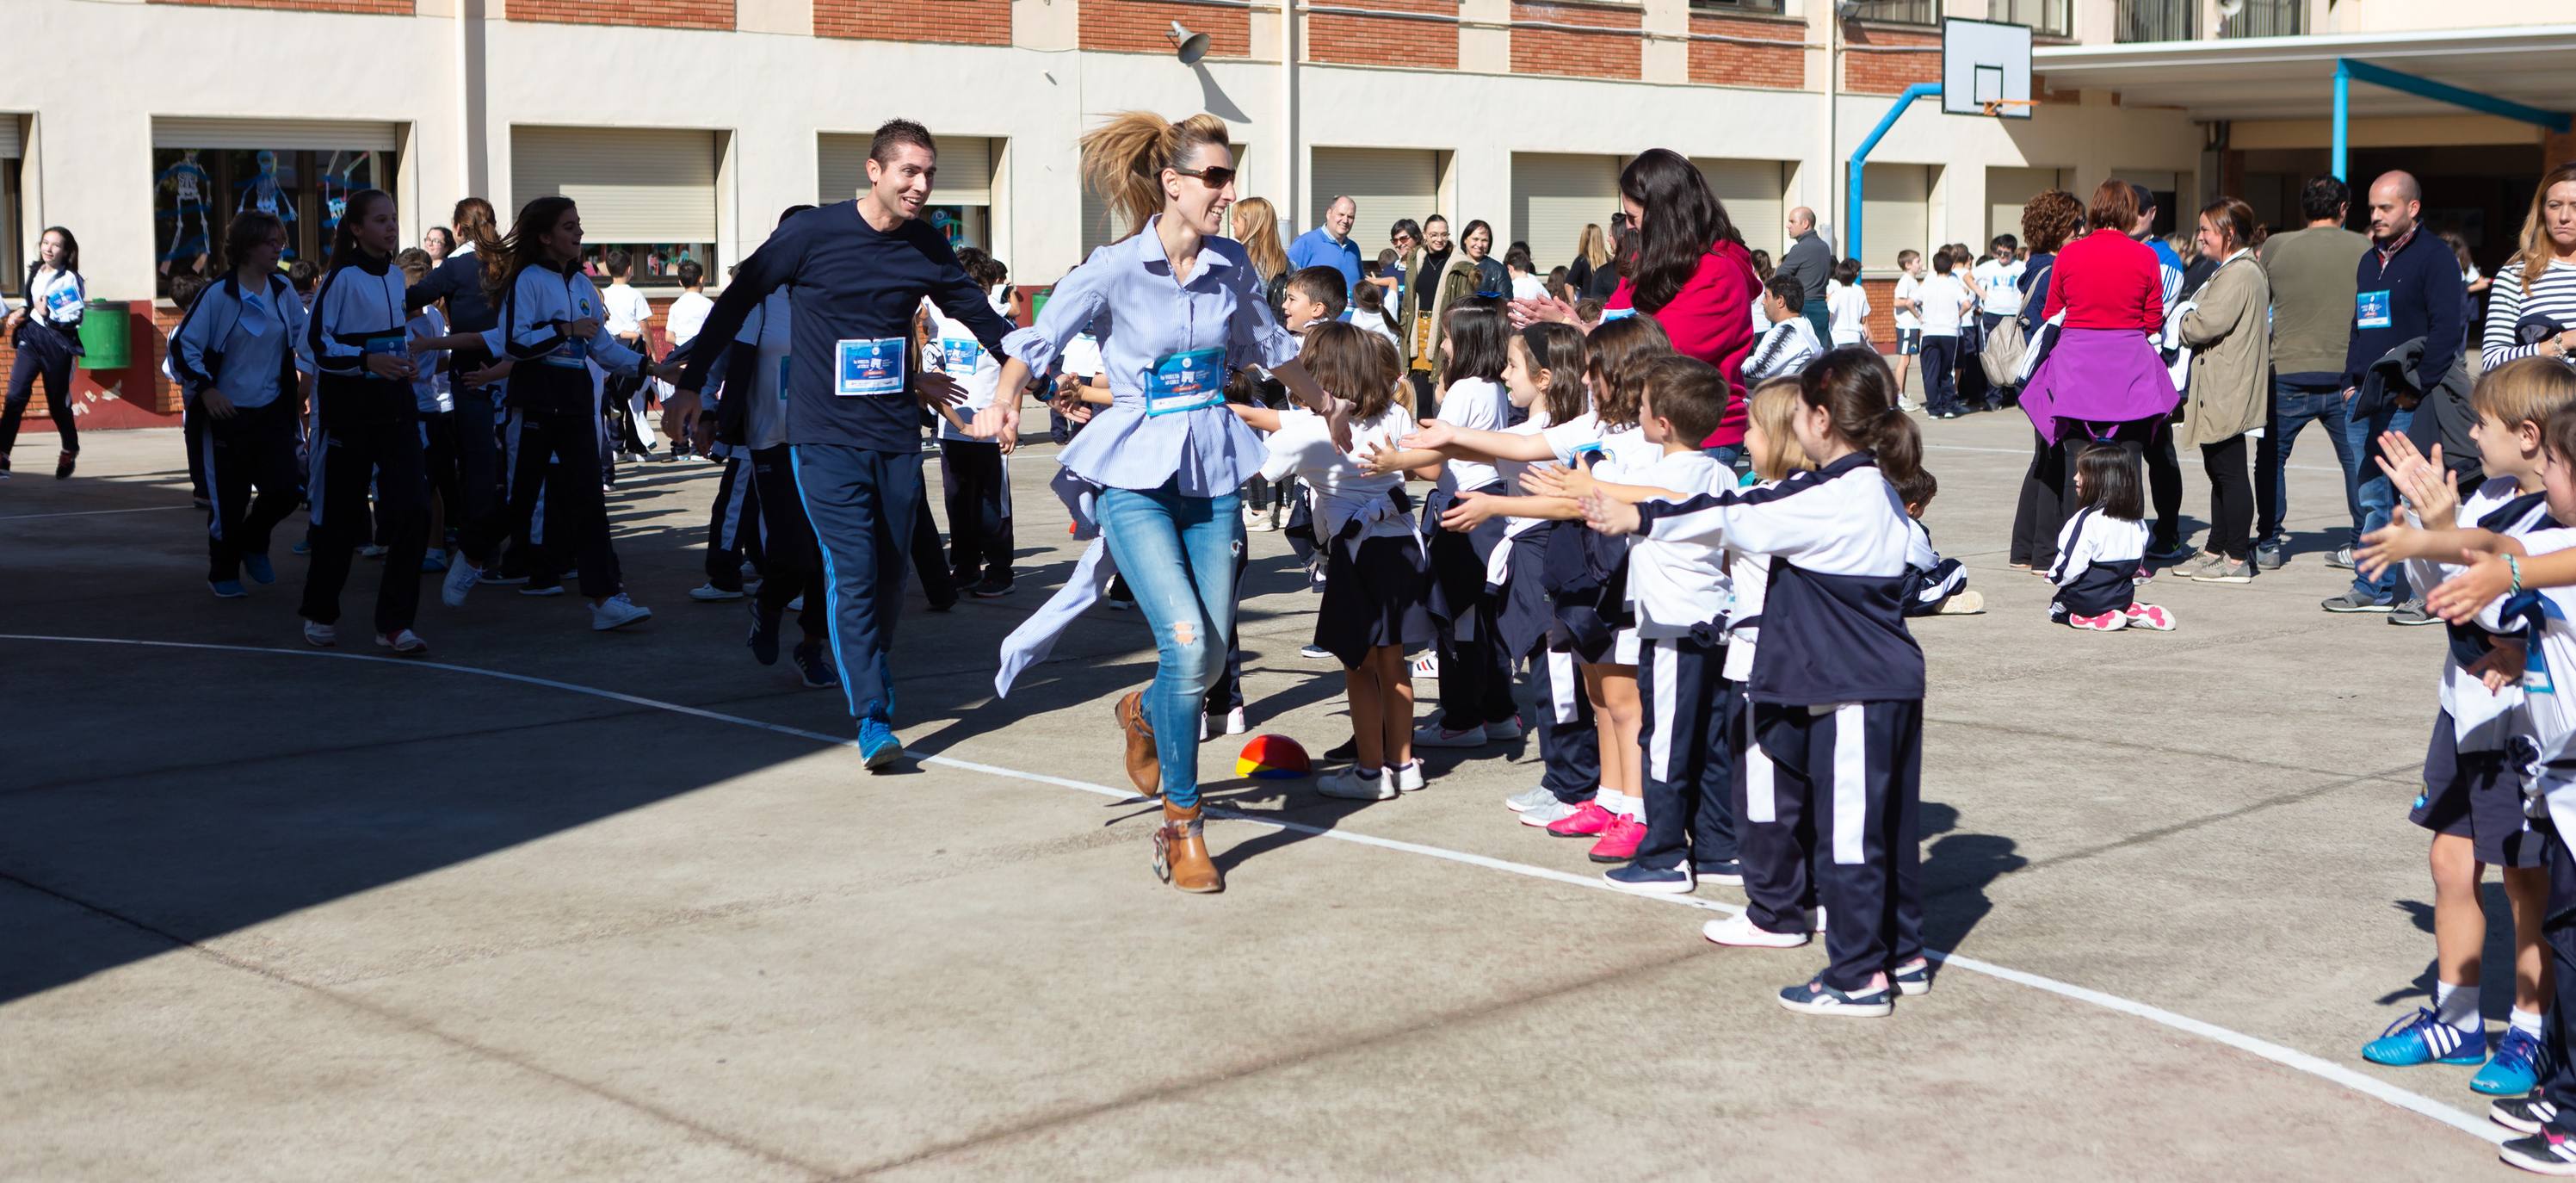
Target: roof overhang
x=2293, y=77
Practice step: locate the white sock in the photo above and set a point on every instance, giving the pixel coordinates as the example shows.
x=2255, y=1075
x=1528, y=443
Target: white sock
x=2455, y=1006
x=2527, y=1022
x=1617, y=802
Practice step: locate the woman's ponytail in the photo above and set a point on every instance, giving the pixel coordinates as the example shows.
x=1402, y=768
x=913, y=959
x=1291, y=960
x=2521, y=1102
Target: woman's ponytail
x=1123, y=160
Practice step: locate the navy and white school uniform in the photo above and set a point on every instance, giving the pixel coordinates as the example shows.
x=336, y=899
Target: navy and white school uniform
x=2098, y=557
x=1586, y=573
x=457, y=286
x=46, y=342
x=1835, y=726
x=1475, y=674
x=975, y=476
x=1681, y=593
x=2472, y=788
x=1377, y=572
x=733, y=518
x=364, y=428
x=1569, y=744
x=433, y=392
x=753, y=417
x=2543, y=763
x=1930, y=580
x=249, y=346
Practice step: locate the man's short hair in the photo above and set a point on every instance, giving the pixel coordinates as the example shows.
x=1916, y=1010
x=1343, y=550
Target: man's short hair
x=2146, y=198
x=1792, y=294
x=895, y=132
x=2324, y=197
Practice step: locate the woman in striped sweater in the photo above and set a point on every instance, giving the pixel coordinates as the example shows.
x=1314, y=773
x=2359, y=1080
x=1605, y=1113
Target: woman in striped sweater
x=2540, y=284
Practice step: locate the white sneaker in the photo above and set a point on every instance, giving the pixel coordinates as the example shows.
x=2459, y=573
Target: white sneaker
x=708, y=593
x=320, y=636
x=404, y=643
x=1504, y=731
x=617, y=612
x=1207, y=728
x=1235, y=723
x=1408, y=777
x=372, y=551
x=1433, y=735
x=1549, y=814
x=1427, y=665
x=1738, y=931
x=461, y=578
x=1528, y=799
x=1349, y=785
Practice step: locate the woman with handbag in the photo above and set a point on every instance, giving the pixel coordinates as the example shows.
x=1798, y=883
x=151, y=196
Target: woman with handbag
x=2227, y=326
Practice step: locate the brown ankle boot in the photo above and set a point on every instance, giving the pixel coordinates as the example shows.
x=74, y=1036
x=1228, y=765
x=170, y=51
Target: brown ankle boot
x=1143, y=766
x=1181, y=854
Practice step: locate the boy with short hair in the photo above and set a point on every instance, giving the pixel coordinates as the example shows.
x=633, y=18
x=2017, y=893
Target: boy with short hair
x=1909, y=319
x=1789, y=342
x=628, y=311
x=1313, y=294
x=1942, y=304
x=1934, y=586
x=1847, y=306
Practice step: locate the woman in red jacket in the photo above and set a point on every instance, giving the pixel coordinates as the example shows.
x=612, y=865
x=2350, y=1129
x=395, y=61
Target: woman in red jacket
x=2103, y=380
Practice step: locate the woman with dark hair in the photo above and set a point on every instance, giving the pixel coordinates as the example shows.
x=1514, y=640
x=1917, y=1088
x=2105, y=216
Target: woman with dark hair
x=236, y=354
x=2047, y=222
x=2102, y=381
x=2227, y=326
x=1475, y=676
x=458, y=280
x=46, y=333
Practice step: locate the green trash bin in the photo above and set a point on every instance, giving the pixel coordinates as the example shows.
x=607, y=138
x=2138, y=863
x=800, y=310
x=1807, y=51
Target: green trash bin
x=1037, y=303
x=104, y=343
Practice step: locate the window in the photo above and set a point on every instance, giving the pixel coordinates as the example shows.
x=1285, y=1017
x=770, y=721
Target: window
x=1900, y=12
x=961, y=195
x=650, y=192
x=13, y=208
x=206, y=172
x=2047, y=18
x=2267, y=18
x=2158, y=20
x=1731, y=7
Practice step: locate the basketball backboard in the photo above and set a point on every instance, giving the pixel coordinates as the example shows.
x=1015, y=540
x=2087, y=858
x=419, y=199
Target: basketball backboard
x=1985, y=68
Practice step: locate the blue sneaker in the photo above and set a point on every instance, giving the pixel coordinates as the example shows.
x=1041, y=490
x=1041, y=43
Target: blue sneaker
x=1725, y=874
x=1912, y=979
x=226, y=589
x=2425, y=1040
x=2520, y=1061
x=815, y=668
x=259, y=570
x=302, y=546
x=1817, y=998
x=877, y=745
x=763, y=639
x=1675, y=880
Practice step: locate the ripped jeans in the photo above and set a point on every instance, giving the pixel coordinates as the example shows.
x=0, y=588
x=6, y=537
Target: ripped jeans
x=1178, y=555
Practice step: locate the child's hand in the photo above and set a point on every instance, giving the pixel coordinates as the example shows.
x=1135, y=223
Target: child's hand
x=2460, y=596
x=1379, y=460
x=936, y=390
x=2384, y=547
x=2501, y=668
x=1433, y=434
x=1548, y=480
x=1466, y=513
x=1614, y=518
x=2423, y=482
x=421, y=345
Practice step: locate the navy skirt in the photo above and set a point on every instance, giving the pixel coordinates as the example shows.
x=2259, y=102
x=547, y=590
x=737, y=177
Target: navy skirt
x=1378, y=593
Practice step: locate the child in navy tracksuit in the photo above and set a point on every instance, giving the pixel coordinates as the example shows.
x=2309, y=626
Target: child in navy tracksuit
x=1934, y=586
x=2101, y=549
x=1836, y=693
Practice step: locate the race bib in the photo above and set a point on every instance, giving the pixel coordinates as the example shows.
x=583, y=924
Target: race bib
x=1186, y=382
x=61, y=300
x=386, y=344
x=2370, y=310
x=869, y=369
x=960, y=355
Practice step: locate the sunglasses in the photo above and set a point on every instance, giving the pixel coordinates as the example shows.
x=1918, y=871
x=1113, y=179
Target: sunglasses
x=1217, y=177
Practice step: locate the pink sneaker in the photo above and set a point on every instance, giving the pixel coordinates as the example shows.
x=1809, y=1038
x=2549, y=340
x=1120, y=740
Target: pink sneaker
x=1587, y=822
x=2150, y=616
x=1618, y=844
x=2105, y=623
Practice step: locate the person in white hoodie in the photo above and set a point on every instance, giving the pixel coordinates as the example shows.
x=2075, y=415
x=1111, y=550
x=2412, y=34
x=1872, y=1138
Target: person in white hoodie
x=1790, y=342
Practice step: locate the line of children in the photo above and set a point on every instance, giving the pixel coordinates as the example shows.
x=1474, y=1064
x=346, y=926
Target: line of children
x=1942, y=304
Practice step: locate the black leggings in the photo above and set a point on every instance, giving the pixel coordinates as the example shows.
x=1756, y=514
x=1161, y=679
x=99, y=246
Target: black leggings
x=2231, y=498
x=366, y=428
x=47, y=352
x=2042, y=510
x=556, y=422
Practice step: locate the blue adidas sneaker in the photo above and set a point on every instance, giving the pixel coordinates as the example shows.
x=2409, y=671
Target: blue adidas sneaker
x=2426, y=1040
x=877, y=745
x=259, y=570
x=2520, y=1061
x=1818, y=998
x=1673, y=880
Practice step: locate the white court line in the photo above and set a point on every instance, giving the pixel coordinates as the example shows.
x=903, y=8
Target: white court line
x=2026, y=452
x=82, y=513
x=2326, y=1070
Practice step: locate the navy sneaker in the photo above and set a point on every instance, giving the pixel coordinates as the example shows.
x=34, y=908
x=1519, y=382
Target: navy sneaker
x=2424, y=1039
x=259, y=570
x=877, y=745
x=1912, y=979
x=2523, y=1115
x=764, y=636
x=813, y=666
x=226, y=589
x=1639, y=877
x=2520, y=1061
x=1817, y=998
x=1726, y=874
x=2545, y=1153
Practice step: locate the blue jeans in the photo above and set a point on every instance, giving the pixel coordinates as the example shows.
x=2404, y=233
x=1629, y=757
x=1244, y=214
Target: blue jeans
x=2293, y=408
x=1178, y=555
x=2375, y=496
x=1730, y=455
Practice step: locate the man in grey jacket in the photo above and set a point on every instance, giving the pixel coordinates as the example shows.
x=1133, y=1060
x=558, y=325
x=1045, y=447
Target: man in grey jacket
x=1811, y=263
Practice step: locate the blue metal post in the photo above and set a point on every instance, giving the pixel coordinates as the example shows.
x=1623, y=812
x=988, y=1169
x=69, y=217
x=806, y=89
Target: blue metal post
x=1860, y=159
x=2347, y=71
x=2342, y=117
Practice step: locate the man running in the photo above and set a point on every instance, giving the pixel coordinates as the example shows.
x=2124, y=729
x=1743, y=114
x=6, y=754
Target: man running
x=859, y=271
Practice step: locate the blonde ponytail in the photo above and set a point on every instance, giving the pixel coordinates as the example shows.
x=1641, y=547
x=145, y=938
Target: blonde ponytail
x=1123, y=160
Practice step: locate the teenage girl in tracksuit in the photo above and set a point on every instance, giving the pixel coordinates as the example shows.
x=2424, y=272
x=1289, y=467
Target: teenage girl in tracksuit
x=46, y=333
x=1837, y=684
x=365, y=425
x=236, y=355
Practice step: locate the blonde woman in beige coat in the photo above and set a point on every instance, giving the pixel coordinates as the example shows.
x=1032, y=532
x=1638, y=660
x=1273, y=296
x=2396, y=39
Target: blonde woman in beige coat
x=2226, y=326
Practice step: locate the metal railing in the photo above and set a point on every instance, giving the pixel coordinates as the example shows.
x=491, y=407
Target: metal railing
x=2267, y=18
x=1900, y=12
x=2048, y=18
x=1730, y=7
x=2157, y=20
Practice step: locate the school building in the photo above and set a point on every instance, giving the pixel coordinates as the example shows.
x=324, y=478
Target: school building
x=684, y=126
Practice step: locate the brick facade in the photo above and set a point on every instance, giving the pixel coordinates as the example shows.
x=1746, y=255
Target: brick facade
x=1138, y=26
x=1383, y=41
x=964, y=22
x=1618, y=52
x=358, y=7
x=651, y=14
x=1882, y=312
x=1866, y=71
x=1726, y=63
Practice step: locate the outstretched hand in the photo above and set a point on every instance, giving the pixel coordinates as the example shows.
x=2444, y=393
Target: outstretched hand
x=2460, y=597
x=1432, y=435
x=1614, y=518
x=1548, y=480
x=2420, y=479
x=1380, y=459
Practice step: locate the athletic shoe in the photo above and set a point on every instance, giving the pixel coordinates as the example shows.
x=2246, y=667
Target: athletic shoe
x=617, y=612
x=301, y=546
x=2423, y=1039
x=226, y=589
x=1348, y=749
x=2412, y=613
x=991, y=587
x=1739, y=932
x=944, y=603
x=2523, y=1115
x=1619, y=843
x=814, y=667
x=1726, y=874
x=549, y=588
x=2149, y=616
x=1504, y=730
x=763, y=640
x=372, y=551
x=2273, y=555
x=2168, y=555
x=1310, y=652
x=1408, y=777
x=2341, y=558
x=1817, y=998
x=258, y=568
x=1119, y=605
x=2234, y=572
x=404, y=643
x=1433, y=735
x=2545, y=1153
x=1549, y=812
x=1426, y=666
x=1235, y=723
x=461, y=578
x=1528, y=799
x=2520, y=1061
x=433, y=562
x=2193, y=569
x=1967, y=603
x=2108, y=622
x=1588, y=820
x=320, y=636
x=877, y=745
x=1349, y=785
x=1914, y=978
x=1645, y=880
x=2356, y=602
x=504, y=578
x=709, y=593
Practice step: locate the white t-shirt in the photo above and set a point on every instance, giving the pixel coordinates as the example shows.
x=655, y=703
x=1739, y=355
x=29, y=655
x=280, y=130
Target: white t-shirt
x=1303, y=448
x=1945, y=300
x=2001, y=282
x=1907, y=288
x=771, y=329
x=1674, y=585
x=1847, y=308
x=688, y=315
x=1528, y=287
x=430, y=388
x=1081, y=356
x=955, y=351
x=1480, y=405
x=627, y=310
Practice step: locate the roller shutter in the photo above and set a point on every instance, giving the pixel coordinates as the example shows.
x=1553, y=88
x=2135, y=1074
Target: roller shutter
x=1896, y=205
x=1386, y=184
x=1553, y=198
x=1752, y=191
x=965, y=169
x=284, y=135
x=633, y=184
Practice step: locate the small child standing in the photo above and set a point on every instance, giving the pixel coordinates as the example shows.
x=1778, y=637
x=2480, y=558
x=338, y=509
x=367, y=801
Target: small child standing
x=628, y=313
x=1848, y=305
x=1909, y=317
x=2100, y=549
x=1943, y=302
x=1789, y=342
x=1934, y=586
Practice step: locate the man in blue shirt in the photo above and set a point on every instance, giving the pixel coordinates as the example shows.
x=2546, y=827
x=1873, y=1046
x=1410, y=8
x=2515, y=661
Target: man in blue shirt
x=1330, y=245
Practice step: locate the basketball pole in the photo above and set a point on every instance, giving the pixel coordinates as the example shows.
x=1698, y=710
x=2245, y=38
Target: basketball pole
x=1860, y=157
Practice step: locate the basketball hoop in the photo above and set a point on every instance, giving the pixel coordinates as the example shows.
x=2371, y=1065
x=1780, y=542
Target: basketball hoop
x=1995, y=107
x=1985, y=69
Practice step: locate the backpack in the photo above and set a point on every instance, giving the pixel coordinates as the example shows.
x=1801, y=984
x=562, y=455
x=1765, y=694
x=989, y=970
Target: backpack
x=2005, y=345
